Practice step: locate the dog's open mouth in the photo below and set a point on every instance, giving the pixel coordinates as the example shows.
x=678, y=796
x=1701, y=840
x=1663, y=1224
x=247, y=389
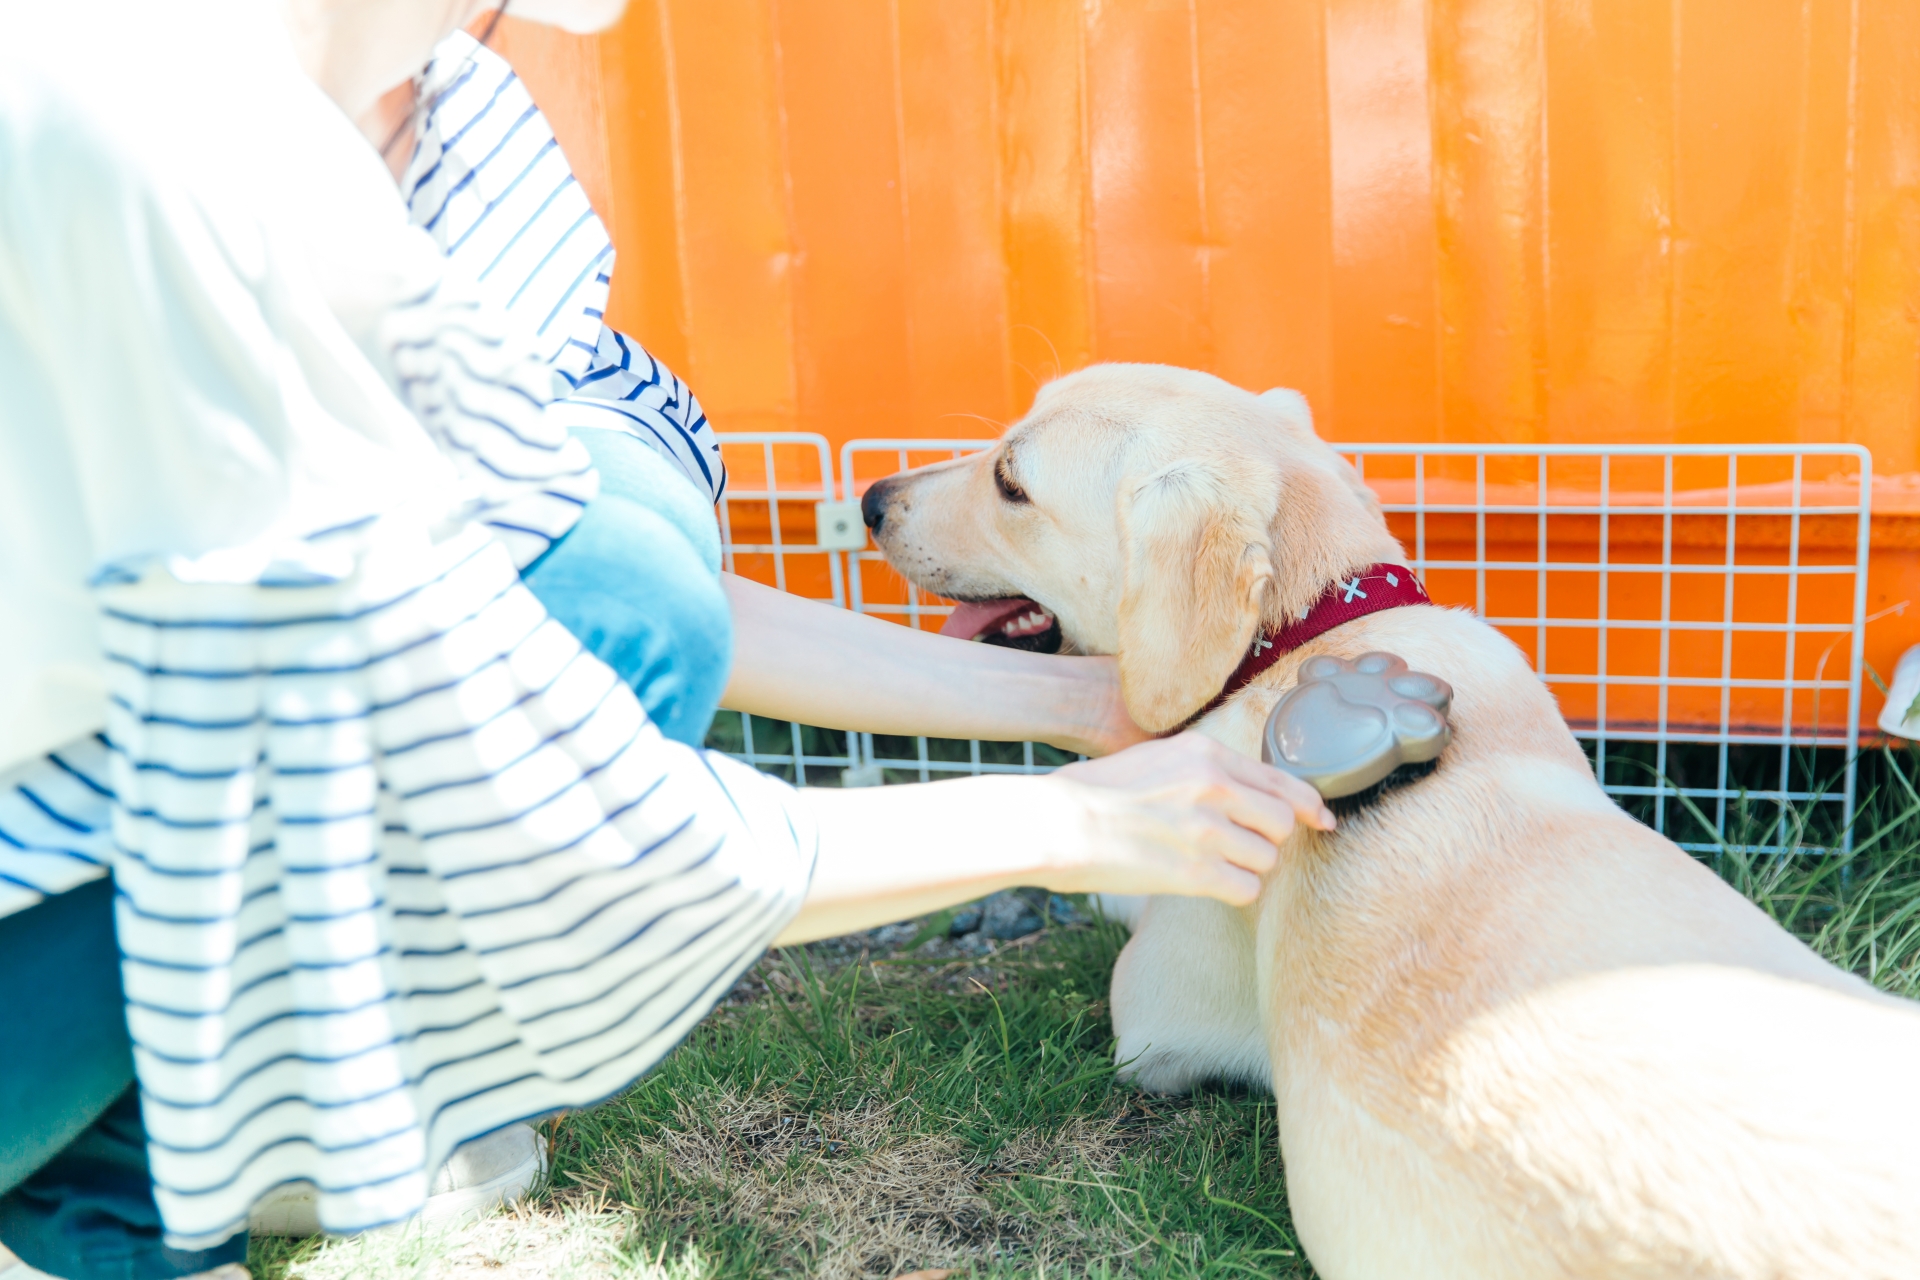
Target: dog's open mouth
x=1014, y=623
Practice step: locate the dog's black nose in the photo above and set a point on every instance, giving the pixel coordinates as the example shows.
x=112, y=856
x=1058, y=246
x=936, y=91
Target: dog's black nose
x=873, y=507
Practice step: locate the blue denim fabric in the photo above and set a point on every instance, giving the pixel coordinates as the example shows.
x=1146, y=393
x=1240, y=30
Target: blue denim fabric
x=636, y=580
x=78, y=1197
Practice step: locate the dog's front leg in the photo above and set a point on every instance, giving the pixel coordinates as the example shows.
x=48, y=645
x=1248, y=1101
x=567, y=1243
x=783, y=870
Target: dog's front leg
x=1185, y=1001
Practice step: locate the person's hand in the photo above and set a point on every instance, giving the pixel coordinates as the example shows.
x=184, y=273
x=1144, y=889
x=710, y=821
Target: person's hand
x=1185, y=815
x=1105, y=726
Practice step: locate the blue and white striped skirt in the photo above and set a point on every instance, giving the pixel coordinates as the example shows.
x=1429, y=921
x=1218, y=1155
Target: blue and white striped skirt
x=398, y=863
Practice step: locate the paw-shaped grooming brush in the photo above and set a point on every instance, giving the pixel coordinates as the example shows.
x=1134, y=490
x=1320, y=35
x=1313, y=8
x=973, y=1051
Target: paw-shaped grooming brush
x=1347, y=727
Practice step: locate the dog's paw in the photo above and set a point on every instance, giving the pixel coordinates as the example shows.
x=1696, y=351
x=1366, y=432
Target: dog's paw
x=1346, y=725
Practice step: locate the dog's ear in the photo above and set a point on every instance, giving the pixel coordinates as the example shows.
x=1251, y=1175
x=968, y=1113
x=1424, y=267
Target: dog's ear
x=1291, y=412
x=1196, y=561
x=1290, y=407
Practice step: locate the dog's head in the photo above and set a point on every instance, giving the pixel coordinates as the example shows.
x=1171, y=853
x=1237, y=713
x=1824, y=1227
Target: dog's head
x=1158, y=514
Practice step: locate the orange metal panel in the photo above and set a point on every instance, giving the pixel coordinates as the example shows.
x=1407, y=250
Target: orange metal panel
x=1488, y=119
x=1880, y=244
x=1609, y=217
x=641, y=126
x=958, y=368
x=1041, y=111
x=1261, y=77
x=1467, y=219
x=1149, y=220
x=1472, y=220
x=1733, y=200
x=1384, y=315
x=838, y=96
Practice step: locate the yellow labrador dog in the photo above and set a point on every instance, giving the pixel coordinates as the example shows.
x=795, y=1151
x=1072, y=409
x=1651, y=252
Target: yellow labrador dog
x=1512, y=1032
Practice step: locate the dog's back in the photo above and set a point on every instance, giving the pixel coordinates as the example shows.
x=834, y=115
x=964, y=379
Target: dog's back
x=1503, y=1011
x=1670, y=1118
x=1696, y=1123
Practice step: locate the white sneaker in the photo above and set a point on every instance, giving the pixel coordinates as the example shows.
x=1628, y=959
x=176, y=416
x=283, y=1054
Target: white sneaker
x=11, y=1268
x=479, y=1177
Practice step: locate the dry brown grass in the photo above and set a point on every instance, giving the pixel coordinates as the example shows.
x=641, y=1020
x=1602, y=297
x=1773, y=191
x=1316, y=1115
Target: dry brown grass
x=880, y=1196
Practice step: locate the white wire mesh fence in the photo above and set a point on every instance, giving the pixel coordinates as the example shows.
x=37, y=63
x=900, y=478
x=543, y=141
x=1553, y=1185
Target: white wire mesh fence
x=770, y=529
x=1698, y=610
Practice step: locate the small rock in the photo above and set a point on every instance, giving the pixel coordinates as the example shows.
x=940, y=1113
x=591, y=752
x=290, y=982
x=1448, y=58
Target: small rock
x=965, y=920
x=1010, y=915
x=975, y=944
x=896, y=935
x=1062, y=910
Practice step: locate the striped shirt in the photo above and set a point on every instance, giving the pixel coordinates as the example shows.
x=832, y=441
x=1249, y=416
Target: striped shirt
x=398, y=863
x=488, y=182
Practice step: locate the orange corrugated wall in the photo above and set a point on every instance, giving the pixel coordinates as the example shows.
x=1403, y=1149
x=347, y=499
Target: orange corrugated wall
x=1468, y=220
x=1473, y=220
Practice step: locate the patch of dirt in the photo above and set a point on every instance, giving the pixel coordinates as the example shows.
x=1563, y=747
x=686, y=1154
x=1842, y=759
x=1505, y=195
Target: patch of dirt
x=877, y=1198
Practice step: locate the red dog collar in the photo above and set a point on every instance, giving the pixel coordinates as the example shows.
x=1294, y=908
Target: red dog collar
x=1376, y=587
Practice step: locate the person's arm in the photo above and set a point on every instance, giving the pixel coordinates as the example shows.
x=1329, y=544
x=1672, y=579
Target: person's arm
x=795, y=659
x=1180, y=816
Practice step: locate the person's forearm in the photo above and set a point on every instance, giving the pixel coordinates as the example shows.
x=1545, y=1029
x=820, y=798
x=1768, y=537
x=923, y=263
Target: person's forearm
x=798, y=660
x=893, y=853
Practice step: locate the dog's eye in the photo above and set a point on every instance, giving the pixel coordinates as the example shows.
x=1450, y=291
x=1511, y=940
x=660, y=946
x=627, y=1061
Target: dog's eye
x=1008, y=489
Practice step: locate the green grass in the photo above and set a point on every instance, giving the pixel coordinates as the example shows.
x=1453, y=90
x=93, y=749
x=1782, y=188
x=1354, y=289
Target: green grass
x=855, y=1111
x=1861, y=911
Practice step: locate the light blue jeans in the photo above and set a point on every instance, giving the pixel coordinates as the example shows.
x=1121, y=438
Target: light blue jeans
x=636, y=580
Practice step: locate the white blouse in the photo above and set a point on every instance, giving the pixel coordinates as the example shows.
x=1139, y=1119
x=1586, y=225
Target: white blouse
x=188, y=376
x=397, y=862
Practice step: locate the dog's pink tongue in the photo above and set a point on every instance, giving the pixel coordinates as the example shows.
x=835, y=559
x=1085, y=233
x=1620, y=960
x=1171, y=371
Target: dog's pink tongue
x=971, y=621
